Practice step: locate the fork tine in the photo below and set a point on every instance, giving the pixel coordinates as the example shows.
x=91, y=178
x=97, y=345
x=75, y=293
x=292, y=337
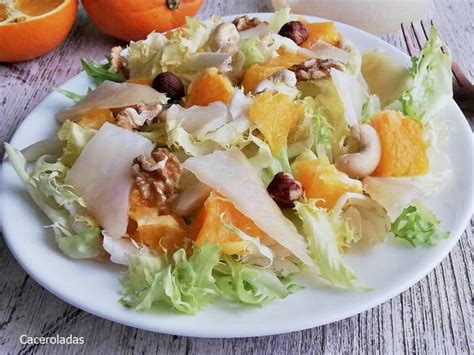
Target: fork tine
x=424, y=27
x=408, y=41
x=420, y=39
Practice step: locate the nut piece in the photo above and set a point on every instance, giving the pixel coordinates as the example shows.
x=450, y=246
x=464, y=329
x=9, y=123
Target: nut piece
x=135, y=117
x=117, y=62
x=244, y=23
x=191, y=200
x=314, y=69
x=225, y=39
x=170, y=85
x=157, y=176
x=295, y=31
x=284, y=190
x=364, y=162
x=282, y=76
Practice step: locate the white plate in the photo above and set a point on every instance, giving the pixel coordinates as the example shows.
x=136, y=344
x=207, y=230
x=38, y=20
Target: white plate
x=93, y=286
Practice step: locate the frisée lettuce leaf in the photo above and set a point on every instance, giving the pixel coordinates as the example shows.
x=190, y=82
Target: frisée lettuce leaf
x=157, y=53
x=144, y=57
x=329, y=105
x=77, y=234
x=184, y=284
x=430, y=85
x=251, y=284
x=325, y=233
x=250, y=47
x=75, y=138
x=418, y=225
x=189, y=284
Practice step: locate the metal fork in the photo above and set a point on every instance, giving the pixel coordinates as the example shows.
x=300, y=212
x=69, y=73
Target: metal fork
x=416, y=35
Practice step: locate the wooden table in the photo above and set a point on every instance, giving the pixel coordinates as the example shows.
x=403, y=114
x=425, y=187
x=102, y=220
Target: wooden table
x=434, y=316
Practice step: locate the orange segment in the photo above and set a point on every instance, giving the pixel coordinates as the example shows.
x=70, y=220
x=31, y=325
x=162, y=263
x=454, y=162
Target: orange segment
x=275, y=115
x=96, y=118
x=209, y=87
x=214, y=231
x=322, y=180
x=403, y=147
x=287, y=59
x=31, y=28
x=325, y=31
x=258, y=72
x=160, y=233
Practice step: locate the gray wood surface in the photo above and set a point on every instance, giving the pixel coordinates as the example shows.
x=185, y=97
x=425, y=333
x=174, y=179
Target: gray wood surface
x=432, y=317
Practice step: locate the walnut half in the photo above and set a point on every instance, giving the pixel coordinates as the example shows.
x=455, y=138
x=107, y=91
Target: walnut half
x=117, y=62
x=314, y=69
x=156, y=177
x=244, y=23
x=137, y=116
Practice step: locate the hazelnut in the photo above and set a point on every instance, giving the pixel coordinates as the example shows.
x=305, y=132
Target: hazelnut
x=170, y=85
x=284, y=190
x=295, y=31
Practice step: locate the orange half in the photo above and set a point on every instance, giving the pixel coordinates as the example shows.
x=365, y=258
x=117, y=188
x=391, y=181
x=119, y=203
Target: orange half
x=31, y=28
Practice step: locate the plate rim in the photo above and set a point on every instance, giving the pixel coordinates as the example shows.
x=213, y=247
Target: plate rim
x=369, y=304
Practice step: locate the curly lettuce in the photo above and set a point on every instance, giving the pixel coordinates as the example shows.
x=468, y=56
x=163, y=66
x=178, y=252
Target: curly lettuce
x=250, y=47
x=251, y=285
x=329, y=105
x=418, y=226
x=189, y=284
x=77, y=234
x=144, y=57
x=184, y=284
x=326, y=234
x=157, y=53
x=75, y=137
x=430, y=85
x=366, y=217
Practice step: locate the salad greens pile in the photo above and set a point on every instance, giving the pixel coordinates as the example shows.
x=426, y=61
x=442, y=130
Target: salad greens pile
x=218, y=162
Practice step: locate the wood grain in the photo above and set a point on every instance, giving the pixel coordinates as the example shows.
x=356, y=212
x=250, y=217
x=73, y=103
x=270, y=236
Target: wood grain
x=432, y=317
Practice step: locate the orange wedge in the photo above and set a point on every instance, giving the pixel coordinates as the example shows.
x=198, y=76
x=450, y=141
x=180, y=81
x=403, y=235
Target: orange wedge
x=325, y=31
x=275, y=115
x=209, y=87
x=96, y=118
x=321, y=180
x=404, y=151
x=161, y=233
x=211, y=229
x=31, y=28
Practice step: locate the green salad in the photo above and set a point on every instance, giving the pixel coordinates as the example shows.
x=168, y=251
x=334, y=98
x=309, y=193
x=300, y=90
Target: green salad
x=221, y=159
